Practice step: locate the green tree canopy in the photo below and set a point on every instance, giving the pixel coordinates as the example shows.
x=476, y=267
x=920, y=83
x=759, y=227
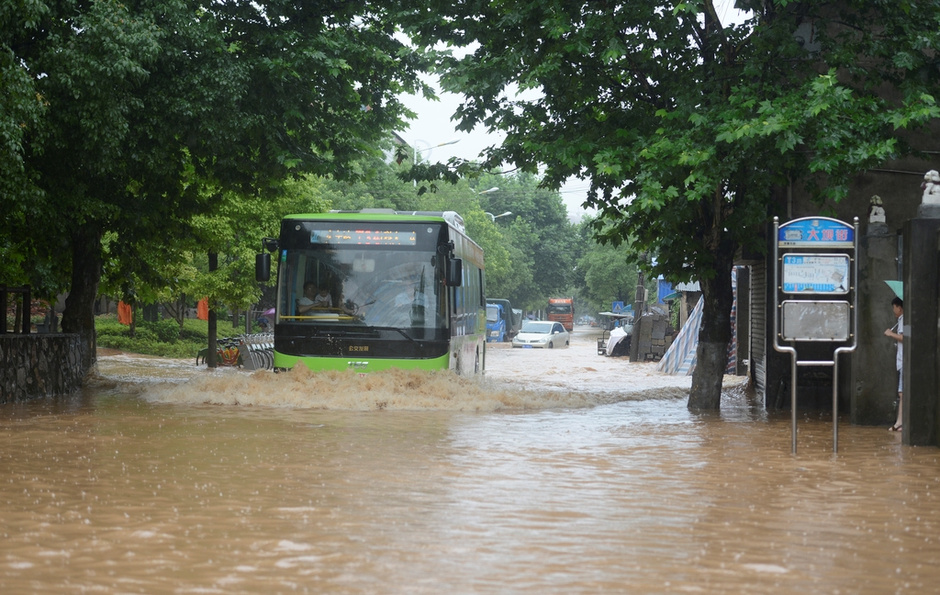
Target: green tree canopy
x=685, y=125
x=609, y=275
x=541, y=232
x=131, y=118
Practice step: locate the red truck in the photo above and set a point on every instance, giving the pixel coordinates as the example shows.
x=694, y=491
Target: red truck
x=562, y=310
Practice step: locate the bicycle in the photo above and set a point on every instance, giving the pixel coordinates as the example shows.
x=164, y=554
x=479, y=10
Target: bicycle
x=227, y=353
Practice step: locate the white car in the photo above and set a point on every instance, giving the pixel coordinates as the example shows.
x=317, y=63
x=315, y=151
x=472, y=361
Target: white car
x=541, y=333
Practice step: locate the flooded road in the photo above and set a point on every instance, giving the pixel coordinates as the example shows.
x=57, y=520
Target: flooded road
x=564, y=472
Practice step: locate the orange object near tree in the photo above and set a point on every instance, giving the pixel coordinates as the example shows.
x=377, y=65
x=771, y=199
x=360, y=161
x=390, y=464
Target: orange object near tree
x=202, y=309
x=125, y=313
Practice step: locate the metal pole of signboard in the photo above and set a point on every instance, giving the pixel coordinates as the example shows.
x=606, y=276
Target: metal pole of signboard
x=835, y=401
x=781, y=348
x=792, y=352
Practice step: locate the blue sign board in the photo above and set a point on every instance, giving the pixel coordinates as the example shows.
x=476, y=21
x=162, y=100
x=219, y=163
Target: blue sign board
x=816, y=232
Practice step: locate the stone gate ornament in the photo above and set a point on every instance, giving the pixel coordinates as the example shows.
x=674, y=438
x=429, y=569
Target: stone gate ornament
x=931, y=188
x=876, y=210
x=930, y=201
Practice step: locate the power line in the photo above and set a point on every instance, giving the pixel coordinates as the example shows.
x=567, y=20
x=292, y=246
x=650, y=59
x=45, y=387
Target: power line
x=723, y=10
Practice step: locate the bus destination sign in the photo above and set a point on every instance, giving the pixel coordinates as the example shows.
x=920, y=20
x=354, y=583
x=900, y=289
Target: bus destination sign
x=364, y=237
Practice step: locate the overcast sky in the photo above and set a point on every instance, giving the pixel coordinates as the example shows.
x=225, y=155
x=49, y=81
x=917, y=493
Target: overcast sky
x=433, y=127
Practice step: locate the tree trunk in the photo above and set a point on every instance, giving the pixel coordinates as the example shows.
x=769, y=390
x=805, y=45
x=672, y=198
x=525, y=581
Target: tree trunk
x=79, y=314
x=713, y=338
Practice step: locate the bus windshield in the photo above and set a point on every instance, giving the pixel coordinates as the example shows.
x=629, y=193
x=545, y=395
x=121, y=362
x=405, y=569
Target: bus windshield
x=387, y=288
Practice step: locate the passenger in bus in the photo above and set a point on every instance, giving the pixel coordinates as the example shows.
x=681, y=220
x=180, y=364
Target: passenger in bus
x=323, y=299
x=308, y=302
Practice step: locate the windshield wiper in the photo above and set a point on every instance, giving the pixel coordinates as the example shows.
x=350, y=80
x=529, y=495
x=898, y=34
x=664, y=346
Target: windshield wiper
x=406, y=335
x=397, y=330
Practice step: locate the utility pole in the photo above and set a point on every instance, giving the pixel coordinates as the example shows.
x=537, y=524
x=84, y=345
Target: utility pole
x=211, y=356
x=638, y=306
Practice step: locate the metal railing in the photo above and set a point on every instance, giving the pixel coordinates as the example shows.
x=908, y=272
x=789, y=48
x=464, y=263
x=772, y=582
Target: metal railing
x=21, y=316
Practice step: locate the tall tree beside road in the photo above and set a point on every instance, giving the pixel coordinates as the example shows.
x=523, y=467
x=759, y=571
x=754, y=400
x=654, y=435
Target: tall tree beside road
x=129, y=118
x=686, y=125
x=543, y=241
x=606, y=274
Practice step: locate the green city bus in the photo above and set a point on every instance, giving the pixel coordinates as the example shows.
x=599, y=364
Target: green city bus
x=393, y=290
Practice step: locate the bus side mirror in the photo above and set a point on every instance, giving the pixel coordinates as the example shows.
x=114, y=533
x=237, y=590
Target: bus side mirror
x=262, y=267
x=453, y=276
x=270, y=244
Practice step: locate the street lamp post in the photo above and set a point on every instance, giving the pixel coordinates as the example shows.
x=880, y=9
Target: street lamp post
x=493, y=217
x=417, y=150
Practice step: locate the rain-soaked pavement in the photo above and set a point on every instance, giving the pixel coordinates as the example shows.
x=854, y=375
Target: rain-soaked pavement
x=564, y=472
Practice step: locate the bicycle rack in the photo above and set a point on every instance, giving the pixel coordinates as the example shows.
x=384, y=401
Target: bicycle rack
x=257, y=351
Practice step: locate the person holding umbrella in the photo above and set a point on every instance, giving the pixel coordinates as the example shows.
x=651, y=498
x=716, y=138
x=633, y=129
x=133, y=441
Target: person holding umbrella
x=897, y=333
x=266, y=320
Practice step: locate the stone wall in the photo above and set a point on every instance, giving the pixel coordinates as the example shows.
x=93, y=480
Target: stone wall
x=39, y=366
x=873, y=387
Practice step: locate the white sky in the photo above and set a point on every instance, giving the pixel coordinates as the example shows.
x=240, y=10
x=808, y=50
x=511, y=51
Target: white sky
x=433, y=126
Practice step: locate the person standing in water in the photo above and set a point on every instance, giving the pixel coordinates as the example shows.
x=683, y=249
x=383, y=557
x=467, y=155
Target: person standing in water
x=897, y=333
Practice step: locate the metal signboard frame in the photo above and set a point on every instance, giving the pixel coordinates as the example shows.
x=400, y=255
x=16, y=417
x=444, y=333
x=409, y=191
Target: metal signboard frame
x=819, y=264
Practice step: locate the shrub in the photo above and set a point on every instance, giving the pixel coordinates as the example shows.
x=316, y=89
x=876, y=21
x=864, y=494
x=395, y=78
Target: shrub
x=167, y=331
x=162, y=338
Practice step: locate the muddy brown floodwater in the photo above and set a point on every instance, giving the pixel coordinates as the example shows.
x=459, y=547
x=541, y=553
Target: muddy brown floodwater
x=564, y=472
